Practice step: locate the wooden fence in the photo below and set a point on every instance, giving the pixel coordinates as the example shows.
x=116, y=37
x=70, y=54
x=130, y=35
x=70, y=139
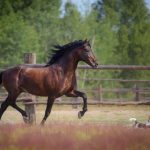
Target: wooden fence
x=30, y=101
x=116, y=67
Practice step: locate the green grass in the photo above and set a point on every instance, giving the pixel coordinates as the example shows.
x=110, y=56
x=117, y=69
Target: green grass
x=103, y=114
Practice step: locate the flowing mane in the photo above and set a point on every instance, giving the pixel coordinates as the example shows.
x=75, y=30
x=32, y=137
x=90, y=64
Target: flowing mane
x=59, y=50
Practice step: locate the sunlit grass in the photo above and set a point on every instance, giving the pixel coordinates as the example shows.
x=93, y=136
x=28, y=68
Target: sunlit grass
x=101, y=115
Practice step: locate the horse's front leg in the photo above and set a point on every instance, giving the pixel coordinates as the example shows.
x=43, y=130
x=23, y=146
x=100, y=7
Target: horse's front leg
x=84, y=97
x=50, y=102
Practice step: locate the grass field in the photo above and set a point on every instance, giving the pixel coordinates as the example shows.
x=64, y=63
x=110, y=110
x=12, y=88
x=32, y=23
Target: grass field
x=100, y=114
x=102, y=128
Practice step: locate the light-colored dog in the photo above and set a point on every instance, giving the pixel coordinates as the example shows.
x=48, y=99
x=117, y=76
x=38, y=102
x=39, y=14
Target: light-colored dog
x=139, y=124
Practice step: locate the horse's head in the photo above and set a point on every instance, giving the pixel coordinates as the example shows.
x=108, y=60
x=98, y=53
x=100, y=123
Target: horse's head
x=87, y=55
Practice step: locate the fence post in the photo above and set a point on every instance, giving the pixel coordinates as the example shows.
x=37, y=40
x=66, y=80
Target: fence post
x=100, y=93
x=30, y=58
x=118, y=95
x=137, y=94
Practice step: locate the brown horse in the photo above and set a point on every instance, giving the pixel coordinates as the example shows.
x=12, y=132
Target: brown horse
x=53, y=80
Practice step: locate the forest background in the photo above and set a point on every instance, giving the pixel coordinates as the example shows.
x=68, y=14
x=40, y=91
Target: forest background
x=119, y=31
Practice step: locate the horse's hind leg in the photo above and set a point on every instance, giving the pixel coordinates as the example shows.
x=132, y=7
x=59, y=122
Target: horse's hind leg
x=14, y=105
x=11, y=101
x=23, y=113
x=4, y=106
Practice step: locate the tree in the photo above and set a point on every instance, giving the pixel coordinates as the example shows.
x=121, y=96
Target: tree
x=71, y=24
x=36, y=23
x=16, y=38
x=136, y=38
x=45, y=17
x=106, y=31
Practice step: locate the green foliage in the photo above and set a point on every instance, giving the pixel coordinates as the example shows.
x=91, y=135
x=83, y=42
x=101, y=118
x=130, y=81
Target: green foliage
x=16, y=38
x=135, y=37
x=119, y=32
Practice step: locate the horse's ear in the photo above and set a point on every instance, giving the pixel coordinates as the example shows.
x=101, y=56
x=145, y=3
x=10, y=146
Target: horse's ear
x=85, y=40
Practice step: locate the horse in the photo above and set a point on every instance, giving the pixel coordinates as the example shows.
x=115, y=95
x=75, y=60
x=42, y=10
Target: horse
x=52, y=80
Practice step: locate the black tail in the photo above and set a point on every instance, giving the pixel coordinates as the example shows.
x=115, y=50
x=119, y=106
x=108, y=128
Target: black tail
x=1, y=73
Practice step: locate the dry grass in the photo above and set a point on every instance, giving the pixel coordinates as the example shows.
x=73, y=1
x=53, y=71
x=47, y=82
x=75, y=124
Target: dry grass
x=73, y=136
x=102, y=128
x=107, y=115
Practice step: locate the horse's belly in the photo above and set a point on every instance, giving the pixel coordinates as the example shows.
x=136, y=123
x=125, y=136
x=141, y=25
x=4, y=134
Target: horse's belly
x=33, y=86
x=35, y=90
x=42, y=88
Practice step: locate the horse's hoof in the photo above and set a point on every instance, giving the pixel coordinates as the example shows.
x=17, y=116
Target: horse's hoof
x=80, y=114
x=42, y=122
x=26, y=119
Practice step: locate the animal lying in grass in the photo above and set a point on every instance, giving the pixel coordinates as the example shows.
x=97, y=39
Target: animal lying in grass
x=139, y=124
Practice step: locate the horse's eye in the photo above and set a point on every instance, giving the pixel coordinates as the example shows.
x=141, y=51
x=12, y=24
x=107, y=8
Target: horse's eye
x=86, y=49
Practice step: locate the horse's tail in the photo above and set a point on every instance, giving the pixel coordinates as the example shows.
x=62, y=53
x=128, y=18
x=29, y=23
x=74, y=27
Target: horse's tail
x=1, y=74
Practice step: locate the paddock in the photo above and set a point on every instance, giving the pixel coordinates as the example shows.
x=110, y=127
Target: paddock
x=100, y=112
x=105, y=126
x=103, y=114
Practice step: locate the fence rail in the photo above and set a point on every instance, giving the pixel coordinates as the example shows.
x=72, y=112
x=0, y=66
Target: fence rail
x=138, y=95
x=116, y=67
x=116, y=80
x=101, y=67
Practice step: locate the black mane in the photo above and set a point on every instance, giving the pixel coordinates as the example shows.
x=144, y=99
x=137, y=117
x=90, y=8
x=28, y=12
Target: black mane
x=59, y=50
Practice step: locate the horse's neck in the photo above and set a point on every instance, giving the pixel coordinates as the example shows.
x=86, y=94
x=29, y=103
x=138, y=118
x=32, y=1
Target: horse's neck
x=69, y=63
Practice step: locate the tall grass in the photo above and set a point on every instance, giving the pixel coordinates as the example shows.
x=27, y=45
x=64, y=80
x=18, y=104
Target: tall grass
x=73, y=136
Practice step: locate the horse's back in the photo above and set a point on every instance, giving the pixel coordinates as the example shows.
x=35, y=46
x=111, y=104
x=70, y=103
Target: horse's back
x=12, y=74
